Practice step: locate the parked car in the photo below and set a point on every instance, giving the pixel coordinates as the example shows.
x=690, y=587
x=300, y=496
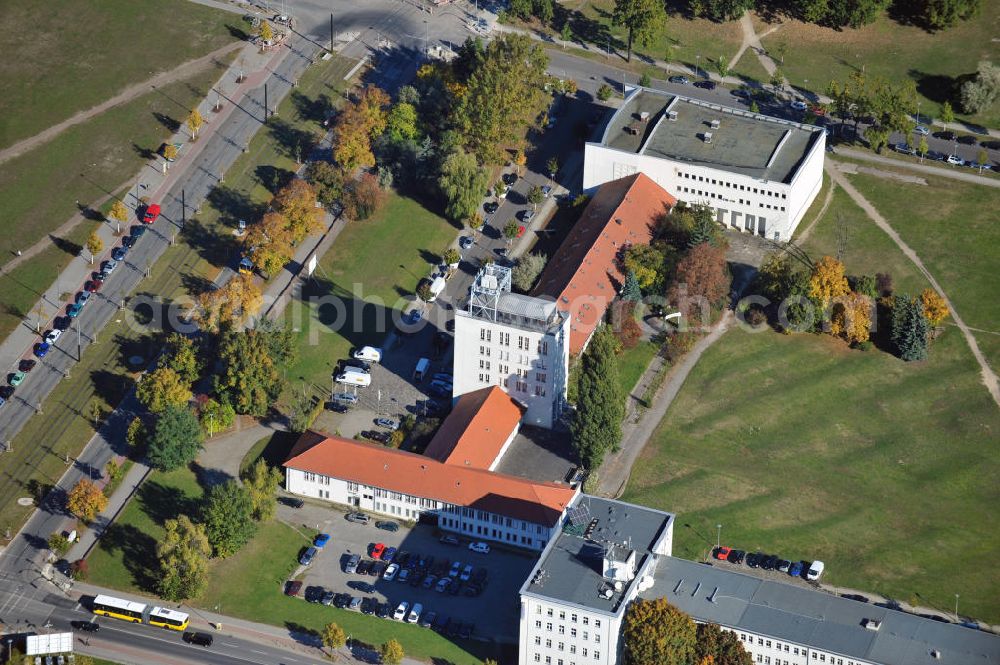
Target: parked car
x=448, y=540
x=683, y=80
x=16, y=378
x=150, y=214
x=904, y=148
x=378, y=567
x=364, y=567
x=345, y=398
x=509, y=179
x=293, y=587
x=443, y=584
x=440, y=624
x=53, y=335
x=128, y=242
x=369, y=605
x=384, y=611
x=109, y=266
x=201, y=639
x=342, y=600
x=466, y=573
x=387, y=526
x=74, y=310
x=355, y=604
x=429, y=581
x=308, y=556
x=93, y=286
x=314, y=594
x=328, y=598
x=357, y=518
x=796, y=569
x=291, y=501
x=86, y=626
x=41, y=349
x=465, y=242
x=26, y=365
x=479, y=548
x=721, y=553
x=736, y=556
x=854, y=596
x=783, y=565
x=490, y=207
x=401, y=611
x=320, y=541
x=404, y=574
x=921, y=130
x=753, y=560
x=797, y=105
x=465, y=632
x=390, y=572
x=427, y=619
x=814, y=571
x=525, y=216
x=118, y=253
x=414, y=615
x=955, y=160
x=377, y=550
x=389, y=554
x=456, y=568
x=351, y=566
x=388, y=423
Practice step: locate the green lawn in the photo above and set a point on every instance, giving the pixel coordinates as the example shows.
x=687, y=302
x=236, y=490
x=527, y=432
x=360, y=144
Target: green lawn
x=371, y=267
x=79, y=56
x=85, y=164
x=749, y=68
x=633, y=362
x=956, y=232
x=249, y=585
x=896, y=52
x=125, y=557
x=798, y=445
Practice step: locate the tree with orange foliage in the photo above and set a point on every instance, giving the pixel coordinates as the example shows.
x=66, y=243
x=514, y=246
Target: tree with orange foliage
x=935, y=307
x=86, y=500
x=828, y=281
x=297, y=202
x=234, y=304
x=701, y=276
x=271, y=240
x=852, y=318
x=359, y=122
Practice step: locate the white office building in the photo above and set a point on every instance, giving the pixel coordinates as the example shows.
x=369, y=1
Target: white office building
x=759, y=174
x=517, y=342
x=609, y=553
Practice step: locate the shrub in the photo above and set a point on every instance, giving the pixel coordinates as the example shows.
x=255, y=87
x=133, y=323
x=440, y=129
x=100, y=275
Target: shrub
x=79, y=570
x=645, y=80
x=679, y=344
x=364, y=198
x=604, y=92
x=59, y=544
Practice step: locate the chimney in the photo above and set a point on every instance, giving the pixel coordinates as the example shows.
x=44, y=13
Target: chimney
x=672, y=116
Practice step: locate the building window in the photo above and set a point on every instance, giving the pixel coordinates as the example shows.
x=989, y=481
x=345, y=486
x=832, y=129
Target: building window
x=538, y=657
x=572, y=617
x=597, y=655
x=538, y=640
x=562, y=647
x=562, y=629
x=548, y=612
x=548, y=627
x=548, y=644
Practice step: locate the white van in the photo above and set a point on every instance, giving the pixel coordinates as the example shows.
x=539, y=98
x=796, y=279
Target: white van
x=368, y=353
x=437, y=286
x=422, y=366
x=355, y=377
x=815, y=570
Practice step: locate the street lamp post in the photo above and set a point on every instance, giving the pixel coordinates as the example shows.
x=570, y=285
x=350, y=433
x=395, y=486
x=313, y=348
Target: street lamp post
x=718, y=536
x=697, y=66
x=956, y=608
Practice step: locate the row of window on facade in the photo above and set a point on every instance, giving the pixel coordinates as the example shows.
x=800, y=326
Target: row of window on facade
x=562, y=631
x=559, y=661
x=523, y=343
x=520, y=373
x=732, y=185
x=522, y=359
x=484, y=516
x=519, y=386
x=488, y=532
x=317, y=478
x=713, y=195
x=795, y=651
x=550, y=613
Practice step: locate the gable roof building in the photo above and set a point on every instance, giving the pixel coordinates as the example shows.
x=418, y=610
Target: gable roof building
x=583, y=276
x=478, y=430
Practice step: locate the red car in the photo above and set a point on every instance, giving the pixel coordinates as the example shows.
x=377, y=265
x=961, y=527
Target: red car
x=151, y=213
x=520, y=231
x=377, y=550
x=93, y=286
x=722, y=553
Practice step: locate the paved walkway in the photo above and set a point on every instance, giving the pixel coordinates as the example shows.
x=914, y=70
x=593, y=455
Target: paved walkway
x=223, y=454
x=128, y=94
x=989, y=378
x=614, y=472
x=151, y=182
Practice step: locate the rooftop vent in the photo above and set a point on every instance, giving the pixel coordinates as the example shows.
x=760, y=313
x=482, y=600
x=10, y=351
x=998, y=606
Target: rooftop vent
x=935, y=654
x=707, y=137
x=872, y=624
x=672, y=116
x=714, y=124
x=644, y=116
x=606, y=593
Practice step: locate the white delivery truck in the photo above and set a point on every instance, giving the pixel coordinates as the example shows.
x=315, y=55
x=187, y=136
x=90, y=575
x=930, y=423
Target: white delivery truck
x=369, y=354
x=355, y=377
x=437, y=286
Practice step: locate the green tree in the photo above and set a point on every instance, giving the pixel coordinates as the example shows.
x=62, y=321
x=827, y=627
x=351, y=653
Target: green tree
x=94, y=245
x=401, y=123
x=552, y=166
x=119, y=212
x=941, y=14
x=181, y=356
x=333, y=636
x=657, y=633
x=59, y=544
x=777, y=79
x=503, y=96
x=296, y=202
x=722, y=646
x=644, y=20
x=391, y=652
x=535, y=195
x=262, y=482
x=648, y=265
x=162, y=388
x=176, y=439
x=566, y=34
x=183, y=555
x=947, y=114
x=217, y=416
x=462, y=181
x=982, y=92
x=909, y=328
x=754, y=106
x=544, y=10
x=854, y=13
x=922, y=147
x=451, y=256
x=630, y=290
x=982, y=158
x=600, y=407
x=604, y=92
x=527, y=270
x=228, y=517
x=521, y=8
x=511, y=230
x=249, y=379
x=722, y=66
x=135, y=434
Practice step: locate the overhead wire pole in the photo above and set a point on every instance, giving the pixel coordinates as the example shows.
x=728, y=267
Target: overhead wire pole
x=331, y=33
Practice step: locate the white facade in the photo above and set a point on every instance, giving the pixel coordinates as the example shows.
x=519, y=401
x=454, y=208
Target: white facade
x=520, y=344
x=769, y=651
x=770, y=209
x=459, y=519
x=554, y=633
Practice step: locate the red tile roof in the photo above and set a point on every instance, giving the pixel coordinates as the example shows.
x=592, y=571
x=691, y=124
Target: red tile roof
x=582, y=275
x=475, y=431
x=416, y=475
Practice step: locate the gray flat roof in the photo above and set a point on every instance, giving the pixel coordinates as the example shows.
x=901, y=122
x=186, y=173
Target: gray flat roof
x=571, y=570
x=790, y=613
x=747, y=143
x=529, y=307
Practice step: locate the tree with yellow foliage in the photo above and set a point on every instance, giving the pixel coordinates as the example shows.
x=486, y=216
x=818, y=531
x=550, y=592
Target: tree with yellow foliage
x=852, y=318
x=297, y=202
x=233, y=304
x=86, y=500
x=935, y=307
x=828, y=281
x=194, y=123
x=271, y=241
x=162, y=388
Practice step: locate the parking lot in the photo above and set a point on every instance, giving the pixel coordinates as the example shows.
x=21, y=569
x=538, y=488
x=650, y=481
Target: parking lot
x=492, y=614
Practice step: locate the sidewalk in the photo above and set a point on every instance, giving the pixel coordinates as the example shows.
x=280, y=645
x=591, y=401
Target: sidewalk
x=152, y=183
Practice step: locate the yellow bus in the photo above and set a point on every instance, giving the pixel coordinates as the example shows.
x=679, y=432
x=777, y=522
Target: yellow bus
x=128, y=610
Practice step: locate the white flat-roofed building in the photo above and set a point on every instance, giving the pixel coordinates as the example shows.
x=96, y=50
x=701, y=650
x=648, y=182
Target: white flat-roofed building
x=517, y=342
x=759, y=174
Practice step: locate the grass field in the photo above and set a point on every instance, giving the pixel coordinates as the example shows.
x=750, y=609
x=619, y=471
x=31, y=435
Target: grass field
x=957, y=235
x=102, y=377
x=41, y=189
x=357, y=268
x=79, y=56
x=633, y=362
x=798, y=445
x=891, y=50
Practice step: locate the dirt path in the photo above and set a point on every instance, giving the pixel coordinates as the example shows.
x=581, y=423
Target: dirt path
x=988, y=377
x=615, y=470
x=749, y=37
x=128, y=94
